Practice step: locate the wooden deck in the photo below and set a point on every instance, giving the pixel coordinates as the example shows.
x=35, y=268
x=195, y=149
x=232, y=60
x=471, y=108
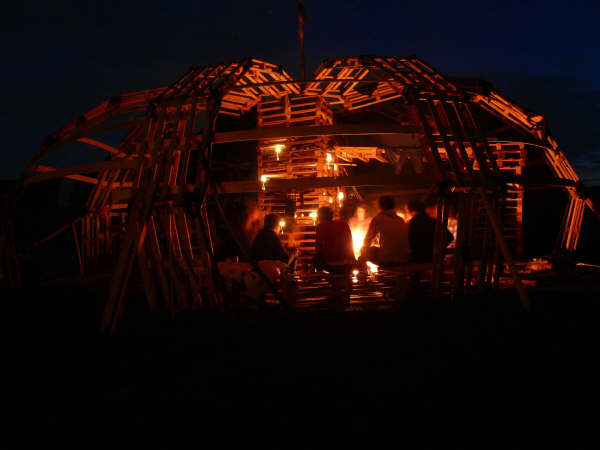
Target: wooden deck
x=380, y=291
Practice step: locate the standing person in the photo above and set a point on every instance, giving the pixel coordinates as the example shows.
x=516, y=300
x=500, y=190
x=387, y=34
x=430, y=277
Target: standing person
x=421, y=233
x=334, y=251
x=394, y=248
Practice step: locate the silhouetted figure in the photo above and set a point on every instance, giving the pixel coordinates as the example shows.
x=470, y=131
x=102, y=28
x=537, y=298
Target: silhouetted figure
x=266, y=245
x=393, y=247
x=334, y=250
x=421, y=233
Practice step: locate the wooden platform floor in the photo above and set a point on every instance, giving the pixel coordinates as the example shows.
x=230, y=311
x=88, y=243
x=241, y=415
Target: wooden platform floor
x=375, y=292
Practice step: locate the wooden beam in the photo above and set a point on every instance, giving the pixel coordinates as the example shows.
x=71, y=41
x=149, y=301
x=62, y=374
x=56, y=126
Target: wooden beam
x=536, y=181
x=348, y=129
x=102, y=145
x=47, y=169
x=303, y=184
x=84, y=168
x=111, y=126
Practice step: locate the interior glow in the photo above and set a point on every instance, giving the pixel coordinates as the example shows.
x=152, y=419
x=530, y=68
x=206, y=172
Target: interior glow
x=278, y=149
x=358, y=238
x=372, y=268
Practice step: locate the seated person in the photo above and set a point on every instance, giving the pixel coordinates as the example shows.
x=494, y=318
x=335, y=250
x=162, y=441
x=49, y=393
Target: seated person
x=272, y=260
x=334, y=251
x=267, y=250
x=421, y=233
x=266, y=245
x=393, y=247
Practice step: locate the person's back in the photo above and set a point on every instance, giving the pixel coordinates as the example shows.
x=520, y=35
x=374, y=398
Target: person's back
x=266, y=245
x=393, y=237
x=334, y=241
x=421, y=233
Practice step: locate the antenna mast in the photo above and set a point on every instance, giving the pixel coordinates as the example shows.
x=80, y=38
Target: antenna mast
x=301, y=18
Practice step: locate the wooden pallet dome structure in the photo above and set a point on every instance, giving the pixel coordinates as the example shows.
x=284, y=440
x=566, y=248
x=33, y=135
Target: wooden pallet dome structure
x=148, y=204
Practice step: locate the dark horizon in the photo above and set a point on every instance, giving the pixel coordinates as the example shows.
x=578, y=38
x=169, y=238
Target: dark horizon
x=64, y=61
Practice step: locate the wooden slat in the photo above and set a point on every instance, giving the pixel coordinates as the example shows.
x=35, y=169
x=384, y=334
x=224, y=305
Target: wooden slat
x=322, y=130
x=69, y=172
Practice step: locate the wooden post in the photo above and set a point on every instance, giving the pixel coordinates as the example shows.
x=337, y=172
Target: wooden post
x=438, y=246
x=462, y=226
x=505, y=250
x=301, y=17
x=77, y=247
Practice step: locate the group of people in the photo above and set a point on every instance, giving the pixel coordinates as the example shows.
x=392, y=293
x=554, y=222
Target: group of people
x=399, y=242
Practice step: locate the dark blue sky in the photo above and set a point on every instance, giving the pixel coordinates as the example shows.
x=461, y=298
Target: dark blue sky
x=62, y=58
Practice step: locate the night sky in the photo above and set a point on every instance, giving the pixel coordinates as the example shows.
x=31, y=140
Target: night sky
x=61, y=59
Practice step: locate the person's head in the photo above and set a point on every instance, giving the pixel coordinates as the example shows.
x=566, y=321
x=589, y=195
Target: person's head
x=271, y=221
x=416, y=206
x=361, y=212
x=324, y=214
x=386, y=203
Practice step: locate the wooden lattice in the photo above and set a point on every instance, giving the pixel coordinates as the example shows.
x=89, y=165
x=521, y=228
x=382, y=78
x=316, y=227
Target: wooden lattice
x=148, y=203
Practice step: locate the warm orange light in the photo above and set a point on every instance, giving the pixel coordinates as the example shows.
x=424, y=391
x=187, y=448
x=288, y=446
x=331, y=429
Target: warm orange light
x=372, y=268
x=358, y=238
x=278, y=149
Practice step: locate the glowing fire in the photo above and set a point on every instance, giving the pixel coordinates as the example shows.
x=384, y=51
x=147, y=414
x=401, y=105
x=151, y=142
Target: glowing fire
x=372, y=268
x=359, y=228
x=453, y=226
x=358, y=238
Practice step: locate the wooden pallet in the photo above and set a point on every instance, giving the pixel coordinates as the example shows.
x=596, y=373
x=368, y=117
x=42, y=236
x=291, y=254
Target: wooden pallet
x=303, y=157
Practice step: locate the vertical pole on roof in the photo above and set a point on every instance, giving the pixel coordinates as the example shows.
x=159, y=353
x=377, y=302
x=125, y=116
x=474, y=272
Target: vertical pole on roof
x=301, y=18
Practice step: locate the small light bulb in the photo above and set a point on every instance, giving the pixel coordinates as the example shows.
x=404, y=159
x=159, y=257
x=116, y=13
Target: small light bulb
x=330, y=200
x=335, y=167
x=329, y=158
x=263, y=178
x=282, y=223
x=340, y=195
x=278, y=149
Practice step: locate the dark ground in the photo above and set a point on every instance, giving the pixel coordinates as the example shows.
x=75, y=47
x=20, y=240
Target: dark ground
x=480, y=363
